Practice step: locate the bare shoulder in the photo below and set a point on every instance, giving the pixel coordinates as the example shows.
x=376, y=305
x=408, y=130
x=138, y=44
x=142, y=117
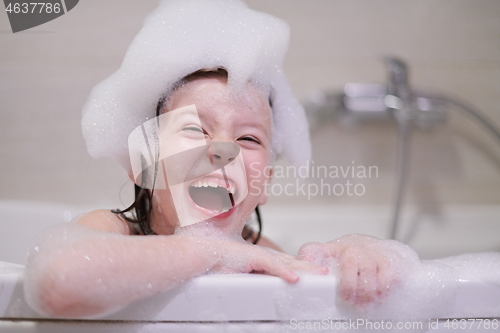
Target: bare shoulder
x=105, y=220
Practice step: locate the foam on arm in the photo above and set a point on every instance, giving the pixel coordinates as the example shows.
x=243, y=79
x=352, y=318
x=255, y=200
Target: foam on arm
x=75, y=271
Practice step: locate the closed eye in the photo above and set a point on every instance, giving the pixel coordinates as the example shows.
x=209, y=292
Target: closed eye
x=249, y=138
x=195, y=129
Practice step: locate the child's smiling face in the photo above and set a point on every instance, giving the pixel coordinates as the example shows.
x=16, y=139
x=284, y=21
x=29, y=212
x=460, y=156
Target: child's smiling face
x=231, y=123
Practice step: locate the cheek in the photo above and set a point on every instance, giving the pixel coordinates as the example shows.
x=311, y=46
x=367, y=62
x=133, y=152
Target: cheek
x=171, y=144
x=257, y=169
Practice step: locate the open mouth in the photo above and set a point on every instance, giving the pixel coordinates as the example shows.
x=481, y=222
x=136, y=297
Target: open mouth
x=211, y=193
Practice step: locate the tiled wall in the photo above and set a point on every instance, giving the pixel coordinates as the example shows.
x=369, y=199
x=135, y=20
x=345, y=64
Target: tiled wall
x=452, y=46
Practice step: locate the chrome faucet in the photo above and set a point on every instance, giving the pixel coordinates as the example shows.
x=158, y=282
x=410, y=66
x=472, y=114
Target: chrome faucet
x=400, y=102
x=388, y=102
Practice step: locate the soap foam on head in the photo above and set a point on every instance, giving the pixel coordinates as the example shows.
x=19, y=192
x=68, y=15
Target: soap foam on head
x=179, y=38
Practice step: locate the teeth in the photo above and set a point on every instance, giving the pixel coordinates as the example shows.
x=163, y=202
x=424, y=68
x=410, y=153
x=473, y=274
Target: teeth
x=224, y=210
x=214, y=183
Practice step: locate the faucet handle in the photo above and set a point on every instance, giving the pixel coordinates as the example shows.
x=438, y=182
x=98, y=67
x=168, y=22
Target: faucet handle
x=398, y=79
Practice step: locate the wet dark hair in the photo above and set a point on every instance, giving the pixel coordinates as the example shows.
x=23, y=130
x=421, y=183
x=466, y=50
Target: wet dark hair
x=139, y=212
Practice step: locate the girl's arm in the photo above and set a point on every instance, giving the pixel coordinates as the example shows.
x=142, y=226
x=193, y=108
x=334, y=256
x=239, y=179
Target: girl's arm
x=95, y=267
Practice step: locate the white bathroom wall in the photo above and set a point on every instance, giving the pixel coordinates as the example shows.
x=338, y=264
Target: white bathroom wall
x=452, y=46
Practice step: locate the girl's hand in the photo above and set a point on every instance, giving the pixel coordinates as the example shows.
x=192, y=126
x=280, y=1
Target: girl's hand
x=241, y=257
x=368, y=267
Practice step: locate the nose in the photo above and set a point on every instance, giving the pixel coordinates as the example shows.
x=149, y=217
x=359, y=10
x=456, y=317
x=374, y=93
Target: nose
x=222, y=153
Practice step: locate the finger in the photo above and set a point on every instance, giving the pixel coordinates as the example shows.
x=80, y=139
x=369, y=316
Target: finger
x=385, y=278
x=308, y=267
x=301, y=265
x=337, y=248
x=289, y=263
x=367, y=282
x=272, y=264
x=285, y=256
x=316, y=253
x=308, y=251
x=348, y=265
x=285, y=272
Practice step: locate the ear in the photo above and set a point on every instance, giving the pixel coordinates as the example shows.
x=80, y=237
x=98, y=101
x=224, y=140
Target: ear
x=263, y=196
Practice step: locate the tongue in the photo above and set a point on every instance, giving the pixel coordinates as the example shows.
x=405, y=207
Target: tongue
x=212, y=198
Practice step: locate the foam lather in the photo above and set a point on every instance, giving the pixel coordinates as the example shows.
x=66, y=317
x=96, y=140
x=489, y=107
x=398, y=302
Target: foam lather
x=179, y=38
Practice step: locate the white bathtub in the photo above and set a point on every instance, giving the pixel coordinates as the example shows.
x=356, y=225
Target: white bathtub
x=234, y=303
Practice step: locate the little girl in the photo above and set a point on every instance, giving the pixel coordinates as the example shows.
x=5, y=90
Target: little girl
x=212, y=72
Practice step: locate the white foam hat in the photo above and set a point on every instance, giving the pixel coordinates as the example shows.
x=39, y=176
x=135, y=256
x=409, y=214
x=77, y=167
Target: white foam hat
x=179, y=38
